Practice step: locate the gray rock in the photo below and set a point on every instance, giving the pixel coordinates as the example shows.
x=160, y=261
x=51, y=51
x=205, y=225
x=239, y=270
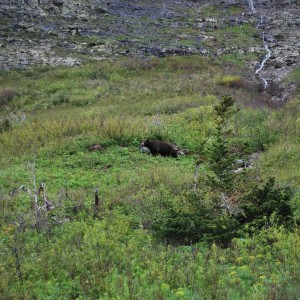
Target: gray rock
x=145, y=150
x=58, y=3
x=230, y=2
x=269, y=38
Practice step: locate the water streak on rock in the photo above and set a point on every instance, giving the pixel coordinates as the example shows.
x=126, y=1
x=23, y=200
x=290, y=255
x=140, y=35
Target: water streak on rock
x=267, y=56
x=269, y=53
x=251, y=5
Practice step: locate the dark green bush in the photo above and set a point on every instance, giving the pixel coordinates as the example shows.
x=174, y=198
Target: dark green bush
x=206, y=221
x=197, y=221
x=268, y=201
x=212, y=214
x=5, y=125
x=7, y=95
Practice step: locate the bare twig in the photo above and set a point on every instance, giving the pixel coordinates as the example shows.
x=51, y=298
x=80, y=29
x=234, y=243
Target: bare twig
x=41, y=192
x=18, y=262
x=15, y=248
x=196, y=177
x=15, y=191
x=227, y=204
x=47, y=204
x=97, y=200
x=35, y=195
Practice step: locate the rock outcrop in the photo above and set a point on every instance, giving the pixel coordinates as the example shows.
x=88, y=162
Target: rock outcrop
x=68, y=32
x=281, y=19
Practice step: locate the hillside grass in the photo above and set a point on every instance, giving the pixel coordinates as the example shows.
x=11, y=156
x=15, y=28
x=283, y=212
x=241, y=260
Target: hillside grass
x=51, y=117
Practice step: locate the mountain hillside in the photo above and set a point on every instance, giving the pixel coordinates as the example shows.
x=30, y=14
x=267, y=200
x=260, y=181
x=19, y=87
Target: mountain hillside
x=149, y=149
x=62, y=32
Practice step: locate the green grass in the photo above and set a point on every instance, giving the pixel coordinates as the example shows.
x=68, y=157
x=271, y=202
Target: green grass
x=112, y=252
x=235, y=37
x=295, y=75
x=211, y=11
x=127, y=101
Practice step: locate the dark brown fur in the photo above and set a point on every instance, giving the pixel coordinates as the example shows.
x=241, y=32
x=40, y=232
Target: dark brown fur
x=158, y=147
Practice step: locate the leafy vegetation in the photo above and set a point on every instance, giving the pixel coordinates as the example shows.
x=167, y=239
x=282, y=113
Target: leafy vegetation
x=295, y=75
x=163, y=228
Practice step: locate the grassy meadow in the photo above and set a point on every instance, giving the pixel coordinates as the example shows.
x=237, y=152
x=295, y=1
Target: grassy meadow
x=121, y=248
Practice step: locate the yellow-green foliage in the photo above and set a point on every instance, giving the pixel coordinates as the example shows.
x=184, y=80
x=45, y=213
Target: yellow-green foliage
x=229, y=80
x=110, y=252
x=115, y=258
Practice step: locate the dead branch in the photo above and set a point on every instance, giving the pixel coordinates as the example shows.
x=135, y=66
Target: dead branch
x=228, y=206
x=15, y=191
x=97, y=200
x=47, y=204
x=196, y=177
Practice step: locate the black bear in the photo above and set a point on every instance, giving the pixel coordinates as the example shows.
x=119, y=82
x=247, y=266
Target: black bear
x=158, y=147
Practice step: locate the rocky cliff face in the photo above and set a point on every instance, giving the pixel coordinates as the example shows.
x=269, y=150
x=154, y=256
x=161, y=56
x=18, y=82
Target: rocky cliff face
x=68, y=32
x=278, y=21
x=281, y=21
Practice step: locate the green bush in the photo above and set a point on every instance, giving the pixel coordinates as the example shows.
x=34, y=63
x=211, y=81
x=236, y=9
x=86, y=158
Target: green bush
x=7, y=95
x=212, y=215
x=200, y=220
x=5, y=125
x=266, y=202
x=230, y=81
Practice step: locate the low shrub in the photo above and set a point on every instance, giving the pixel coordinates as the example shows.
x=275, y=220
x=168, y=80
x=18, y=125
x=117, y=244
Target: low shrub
x=267, y=203
x=226, y=204
x=60, y=98
x=5, y=125
x=231, y=81
x=7, y=95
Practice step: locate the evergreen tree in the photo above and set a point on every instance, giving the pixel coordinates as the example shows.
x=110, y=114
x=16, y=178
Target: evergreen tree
x=220, y=157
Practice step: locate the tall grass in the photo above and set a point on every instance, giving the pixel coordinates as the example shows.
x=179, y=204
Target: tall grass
x=110, y=251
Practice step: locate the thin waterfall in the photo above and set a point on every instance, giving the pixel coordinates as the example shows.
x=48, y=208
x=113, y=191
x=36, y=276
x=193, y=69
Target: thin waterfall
x=267, y=56
x=269, y=53
x=251, y=5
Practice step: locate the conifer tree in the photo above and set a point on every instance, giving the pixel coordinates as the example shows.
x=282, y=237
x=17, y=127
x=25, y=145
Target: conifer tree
x=220, y=157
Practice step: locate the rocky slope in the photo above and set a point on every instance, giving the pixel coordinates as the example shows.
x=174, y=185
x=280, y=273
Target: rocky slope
x=67, y=32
